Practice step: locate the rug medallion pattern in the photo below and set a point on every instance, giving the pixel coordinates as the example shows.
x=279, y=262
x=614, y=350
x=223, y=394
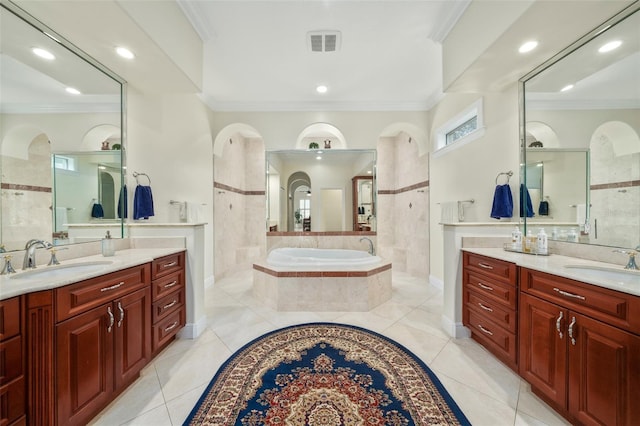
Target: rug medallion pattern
x=325, y=374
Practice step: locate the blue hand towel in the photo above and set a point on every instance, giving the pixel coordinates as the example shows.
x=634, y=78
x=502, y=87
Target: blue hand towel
x=502, y=202
x=97, y=210
x=122, y=203
x=526, y=208
x=142, y=202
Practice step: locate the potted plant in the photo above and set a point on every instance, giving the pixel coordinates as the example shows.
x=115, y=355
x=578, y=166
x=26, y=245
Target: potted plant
x=297, y=215
x=314, y=145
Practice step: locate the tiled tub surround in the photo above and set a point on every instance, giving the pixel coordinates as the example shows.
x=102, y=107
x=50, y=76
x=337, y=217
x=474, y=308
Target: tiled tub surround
x=322, y=289
x=349, y=240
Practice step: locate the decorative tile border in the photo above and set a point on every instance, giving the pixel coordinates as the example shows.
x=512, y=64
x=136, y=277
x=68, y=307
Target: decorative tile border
x=424, y=184
x=323, y=234
x=625, y=184
x=20, y=187
x=219, y=185
x=321, y=274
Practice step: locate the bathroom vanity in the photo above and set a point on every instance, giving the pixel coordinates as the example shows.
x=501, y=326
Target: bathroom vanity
x=68, y=347
x=577, y=343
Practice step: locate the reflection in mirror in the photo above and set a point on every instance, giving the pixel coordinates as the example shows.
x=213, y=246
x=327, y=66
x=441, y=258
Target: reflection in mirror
x=587, y=100
x=316, y=190
x=40, y=117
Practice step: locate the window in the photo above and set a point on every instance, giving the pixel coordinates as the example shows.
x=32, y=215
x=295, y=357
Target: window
x=305, y=208
x=64, y=163
x=460, y=130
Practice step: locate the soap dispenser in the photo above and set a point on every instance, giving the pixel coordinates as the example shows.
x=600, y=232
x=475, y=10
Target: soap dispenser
x=108, y=248
x=542, y=243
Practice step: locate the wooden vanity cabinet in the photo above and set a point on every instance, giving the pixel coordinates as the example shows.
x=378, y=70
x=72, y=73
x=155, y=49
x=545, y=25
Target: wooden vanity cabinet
x=103, y=340
x=490, y=297
x=13, y=406
x=580, y=348
x=168, y=294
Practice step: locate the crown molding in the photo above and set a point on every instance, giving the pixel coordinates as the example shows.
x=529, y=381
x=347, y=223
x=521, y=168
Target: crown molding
x=13, y=108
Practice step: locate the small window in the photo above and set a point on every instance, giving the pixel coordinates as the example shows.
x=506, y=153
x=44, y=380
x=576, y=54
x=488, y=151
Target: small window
x=460, y=130
x=305, y=208
x=64, y=163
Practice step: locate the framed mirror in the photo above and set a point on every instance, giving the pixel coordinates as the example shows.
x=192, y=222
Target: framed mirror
x=331, y=190
x=61, y=116
x=581, y=110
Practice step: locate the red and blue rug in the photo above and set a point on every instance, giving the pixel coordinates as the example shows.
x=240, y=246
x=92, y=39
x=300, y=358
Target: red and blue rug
x=325, y=374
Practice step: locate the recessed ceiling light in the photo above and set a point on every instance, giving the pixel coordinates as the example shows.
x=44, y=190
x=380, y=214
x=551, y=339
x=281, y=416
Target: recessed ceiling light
x=610, y=46
x=72, y=90
x=318, y=158
x=528, y=46
x=322, y=89
x=125, y=53
x=567, y=87
x=45, y=54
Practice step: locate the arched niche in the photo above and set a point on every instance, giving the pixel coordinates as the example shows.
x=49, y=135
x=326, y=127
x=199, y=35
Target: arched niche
x=412, y=131
x=17, y=141
x=94, y=138
x=537, y=131
x=623, y=138
x=319, y=133
x=227, y=133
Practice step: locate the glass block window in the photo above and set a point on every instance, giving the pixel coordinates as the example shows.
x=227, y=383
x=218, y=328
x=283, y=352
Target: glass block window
x=462, y=130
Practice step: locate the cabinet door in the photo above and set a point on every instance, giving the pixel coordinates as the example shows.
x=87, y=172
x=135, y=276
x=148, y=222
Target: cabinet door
x=84, y=361
x=604, y=373
x=132, y=335
x=543, y=347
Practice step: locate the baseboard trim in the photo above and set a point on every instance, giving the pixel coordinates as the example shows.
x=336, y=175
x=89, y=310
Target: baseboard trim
x=193, y=330
x=455, y=329
x=436, y=282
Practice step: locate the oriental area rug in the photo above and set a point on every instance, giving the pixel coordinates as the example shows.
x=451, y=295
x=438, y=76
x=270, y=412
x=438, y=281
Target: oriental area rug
x=325, y=374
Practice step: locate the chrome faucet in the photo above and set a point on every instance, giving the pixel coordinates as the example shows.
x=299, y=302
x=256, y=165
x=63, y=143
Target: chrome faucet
x=631, y=264
x=372, y=251
x=30, y=254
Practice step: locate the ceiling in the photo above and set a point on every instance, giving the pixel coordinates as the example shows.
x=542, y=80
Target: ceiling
x=257, y=57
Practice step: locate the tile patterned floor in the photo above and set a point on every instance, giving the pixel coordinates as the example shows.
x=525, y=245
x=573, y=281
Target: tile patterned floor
x=487, y=392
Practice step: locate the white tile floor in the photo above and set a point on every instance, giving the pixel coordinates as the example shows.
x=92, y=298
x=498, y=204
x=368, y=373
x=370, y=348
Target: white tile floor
x=487, y=392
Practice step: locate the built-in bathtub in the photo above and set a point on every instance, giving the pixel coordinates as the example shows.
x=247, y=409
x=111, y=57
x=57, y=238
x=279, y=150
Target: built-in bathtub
x=322, y=280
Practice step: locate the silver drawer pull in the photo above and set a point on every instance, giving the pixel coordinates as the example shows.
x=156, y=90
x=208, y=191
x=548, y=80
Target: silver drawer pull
x=169, y=265
x=486, y=287
x=484, y=307
x=167, y=306
x=111, y=319
x=566, y=293
x=485, y=266
x=484, y=330
x=172, y=326
x=559, y=324
x=573, y=339
x=171, y=284
x=121, y=314
x=113, y=287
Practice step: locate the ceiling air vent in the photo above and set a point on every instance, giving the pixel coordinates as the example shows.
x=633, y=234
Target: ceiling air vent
x=323, y=41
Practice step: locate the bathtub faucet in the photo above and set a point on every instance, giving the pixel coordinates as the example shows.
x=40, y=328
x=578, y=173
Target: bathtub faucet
x=372, y=251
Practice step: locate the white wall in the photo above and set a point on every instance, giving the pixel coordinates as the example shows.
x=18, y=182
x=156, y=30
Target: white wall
x=169, y=139
x=469, y=172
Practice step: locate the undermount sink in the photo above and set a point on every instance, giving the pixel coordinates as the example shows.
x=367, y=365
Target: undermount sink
x=621, y=275
x=62, y=271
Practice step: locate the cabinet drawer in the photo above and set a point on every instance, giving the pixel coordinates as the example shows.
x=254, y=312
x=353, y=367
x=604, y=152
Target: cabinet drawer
x=12, y=402
x=9, y=318
x=77, y=298
x=499, y=341
x=611, y=306
x=10, y=360
x=164, y=331
x=163, y=286
x=170, y=303
x=166, y=265
x=505, y=318
x=501, y=293
x=500, y=270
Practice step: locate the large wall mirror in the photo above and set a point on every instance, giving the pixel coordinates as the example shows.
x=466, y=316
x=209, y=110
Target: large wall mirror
x=330, y=190
x=61, y=126
x=580, y=117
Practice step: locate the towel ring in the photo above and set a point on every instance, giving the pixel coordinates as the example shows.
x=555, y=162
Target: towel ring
x=508, y=174
x=136, y=174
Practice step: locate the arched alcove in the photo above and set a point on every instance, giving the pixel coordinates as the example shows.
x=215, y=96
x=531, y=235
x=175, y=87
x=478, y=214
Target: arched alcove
x=94, y=138
x=297, y=181
x=623, y=138
x=17, y=141
x=413, y=132
x=228, y=131
x=538, y=131
x=319, y=133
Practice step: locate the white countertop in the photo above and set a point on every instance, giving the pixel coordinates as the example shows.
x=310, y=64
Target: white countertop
x=556, y=264
x=10, y=286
